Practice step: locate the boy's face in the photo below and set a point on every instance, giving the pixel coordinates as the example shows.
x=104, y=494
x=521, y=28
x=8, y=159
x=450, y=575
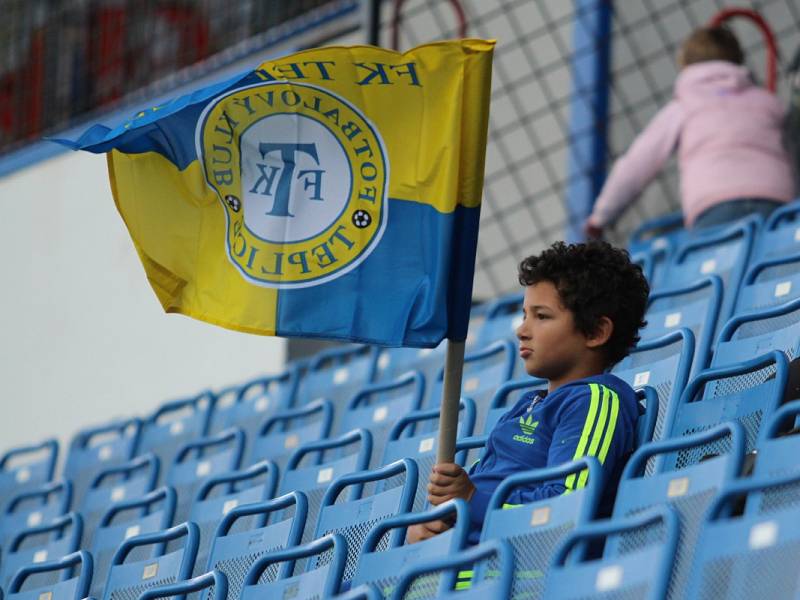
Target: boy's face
x=549, y=343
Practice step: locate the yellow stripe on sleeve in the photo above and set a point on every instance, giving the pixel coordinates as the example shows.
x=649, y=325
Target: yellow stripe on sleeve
x=587, y=428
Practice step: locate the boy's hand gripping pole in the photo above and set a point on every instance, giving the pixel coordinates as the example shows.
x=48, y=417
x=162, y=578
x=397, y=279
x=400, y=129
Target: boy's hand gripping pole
x=451, y=396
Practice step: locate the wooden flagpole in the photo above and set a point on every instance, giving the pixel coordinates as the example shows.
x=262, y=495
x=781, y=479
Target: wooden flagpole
x=451, y=396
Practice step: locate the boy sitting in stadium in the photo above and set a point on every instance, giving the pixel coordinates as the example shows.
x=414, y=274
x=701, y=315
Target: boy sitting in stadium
x=583, y=307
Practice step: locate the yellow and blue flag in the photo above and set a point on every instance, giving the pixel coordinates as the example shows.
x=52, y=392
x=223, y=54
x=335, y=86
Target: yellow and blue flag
x=333, y=193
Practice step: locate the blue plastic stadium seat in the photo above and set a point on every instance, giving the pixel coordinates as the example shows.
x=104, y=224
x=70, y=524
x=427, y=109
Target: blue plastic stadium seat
x=129, y=480
x=747, y=392
x=493, y=564
x=534, y=530
x=247, y=406
x=690, y=472
x=393, y=362
x=665, y=231
x=221, y=494
x=37, y=506
x=251, y=531
x=355, y=515
x=416, y=436
x=378, y=406
x=336, y=374
x=313, y=467
x=694, y=307
x=68, y=578
x=329, y=554
x=35, y=545
x=96, y=449
x=379, y=564
x=131, y=578
x=125, y=519
x=643, y=573
x=779, y=236
x=166, y=431
x=213, y=585
x=484, y=371
x=663, y=364
x=723, y=252
x=646, y=262
x=25, y=468
x=280, y=434
x=753, y=553
x=769, y=283
x=502, y=319
x=199, y=460
x=751, y=334
x=506, y=396
x=779, y=445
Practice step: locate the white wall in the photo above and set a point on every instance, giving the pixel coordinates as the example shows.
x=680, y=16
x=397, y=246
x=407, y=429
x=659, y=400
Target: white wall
x=82, y=336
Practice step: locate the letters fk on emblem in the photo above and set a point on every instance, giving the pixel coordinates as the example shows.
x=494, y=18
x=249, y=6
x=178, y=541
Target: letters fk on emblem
x=280, y=208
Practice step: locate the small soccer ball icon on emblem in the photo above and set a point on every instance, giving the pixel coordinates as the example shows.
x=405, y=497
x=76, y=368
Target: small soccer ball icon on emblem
x=233, y=202
x=361, y=219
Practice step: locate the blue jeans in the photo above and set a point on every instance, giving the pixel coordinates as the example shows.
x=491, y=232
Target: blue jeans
x=733, y=210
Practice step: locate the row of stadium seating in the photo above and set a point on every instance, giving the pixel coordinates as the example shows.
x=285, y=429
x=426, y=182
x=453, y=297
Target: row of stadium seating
x=307, y=479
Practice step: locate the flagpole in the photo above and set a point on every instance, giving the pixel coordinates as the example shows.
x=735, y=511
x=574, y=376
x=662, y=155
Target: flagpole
x=451, y=396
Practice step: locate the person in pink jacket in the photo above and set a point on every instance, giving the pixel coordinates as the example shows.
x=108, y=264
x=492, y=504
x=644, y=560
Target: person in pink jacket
x=728, y=135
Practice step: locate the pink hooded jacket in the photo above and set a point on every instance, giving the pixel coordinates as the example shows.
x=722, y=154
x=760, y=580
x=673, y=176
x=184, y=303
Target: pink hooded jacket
x=728, y=135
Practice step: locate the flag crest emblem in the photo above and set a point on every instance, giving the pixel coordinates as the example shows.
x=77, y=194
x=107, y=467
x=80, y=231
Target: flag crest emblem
x=302, y=175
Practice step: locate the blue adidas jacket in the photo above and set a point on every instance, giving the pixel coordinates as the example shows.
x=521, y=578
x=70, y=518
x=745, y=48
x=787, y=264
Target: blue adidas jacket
x=595, y=416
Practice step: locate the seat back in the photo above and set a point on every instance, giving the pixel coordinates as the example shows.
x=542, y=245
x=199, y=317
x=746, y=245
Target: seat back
x=213, y=585
x=125, y=519
x=172, y=426
x=506, y=396
x=502, y=319
x=199, y=460
x=723, y=252
x=484, y=371
x=393, y=362
x=769, y=283
x=68, y=579
x=416, y=436
x=380, y=564
x=754, y=333
x=281, y=434
x=747, y=392
x=247, y=406
x=251, y=531
x=534, y=530
x=712, y=459
x=37, y=506
x=130, y=578
x=642, y=573
x=493, y=564
x=779, y=236
x=695, y=307
x=329, y=554
x=221, y=494
x=313, y=467
x=35, y=545
x=25, y=468
x=336, y=374
x=96, y=449
x=355, y=517
x=115, y=484
x=779, y=445
x=664, y=364
x=754, y=552
x=378, y=406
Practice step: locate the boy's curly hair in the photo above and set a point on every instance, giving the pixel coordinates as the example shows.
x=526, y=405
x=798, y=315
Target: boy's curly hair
x=595, y=279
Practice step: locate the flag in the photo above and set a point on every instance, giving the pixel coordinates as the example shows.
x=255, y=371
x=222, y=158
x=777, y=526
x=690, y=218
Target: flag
x=333, y=193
